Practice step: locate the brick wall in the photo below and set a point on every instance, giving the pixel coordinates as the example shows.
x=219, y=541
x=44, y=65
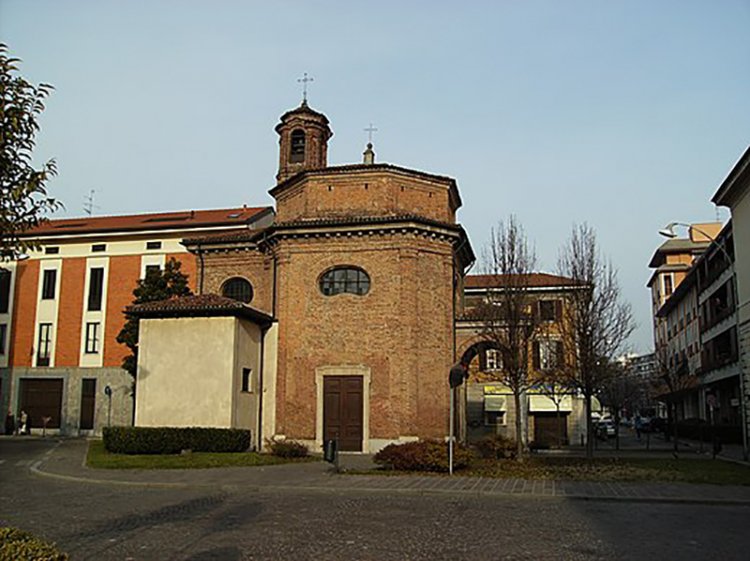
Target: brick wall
x=24, y=313
x=188, y=266
x=70, y=311
x=365, y=193
x=253, y=266
x=401, y=330
x=123, y=274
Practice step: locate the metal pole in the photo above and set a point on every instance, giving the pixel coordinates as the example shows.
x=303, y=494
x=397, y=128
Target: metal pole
x=450, y=438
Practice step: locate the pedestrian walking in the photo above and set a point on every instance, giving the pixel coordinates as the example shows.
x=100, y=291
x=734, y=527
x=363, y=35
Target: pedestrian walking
x=10, y=423
x=23, y=423
x=638, y=426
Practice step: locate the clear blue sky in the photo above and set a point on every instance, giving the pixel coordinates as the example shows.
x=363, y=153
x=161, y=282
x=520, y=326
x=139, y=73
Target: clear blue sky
x=626, y=115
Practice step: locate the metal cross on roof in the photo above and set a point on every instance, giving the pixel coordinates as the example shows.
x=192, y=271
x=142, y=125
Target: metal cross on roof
x=369, y=130
x=304, y=80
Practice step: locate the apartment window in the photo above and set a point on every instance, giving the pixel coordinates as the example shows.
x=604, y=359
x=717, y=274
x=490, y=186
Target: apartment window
x=668, y=287
x=98, y=247
x=51, y=250
x=549, y=310
x=152, y=270
x=48, y=284
x=43, y=344
x=153, y=245
x=3, y=337
x=494, y=409
x=96, y=287
x=92, y=338
x=493, y=360
x=4, y=291
x=547, y=354
x=246, y=372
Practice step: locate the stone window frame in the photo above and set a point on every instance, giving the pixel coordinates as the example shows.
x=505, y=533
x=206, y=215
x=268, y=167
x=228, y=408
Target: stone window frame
x=322, y=281
x=237, y=278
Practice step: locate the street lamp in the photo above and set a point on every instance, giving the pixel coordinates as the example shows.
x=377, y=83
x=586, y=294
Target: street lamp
x=668, y=232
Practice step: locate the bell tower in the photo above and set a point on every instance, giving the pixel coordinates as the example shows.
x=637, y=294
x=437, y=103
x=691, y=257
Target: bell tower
x=303, y=141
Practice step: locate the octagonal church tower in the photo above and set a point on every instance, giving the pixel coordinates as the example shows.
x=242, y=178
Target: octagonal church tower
x=367, y=261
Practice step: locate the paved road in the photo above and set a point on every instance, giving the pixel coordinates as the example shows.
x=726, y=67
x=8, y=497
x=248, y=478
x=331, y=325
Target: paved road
x=103, y=522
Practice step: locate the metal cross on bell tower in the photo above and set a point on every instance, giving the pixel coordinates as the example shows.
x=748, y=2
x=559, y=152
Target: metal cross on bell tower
x=304, y=80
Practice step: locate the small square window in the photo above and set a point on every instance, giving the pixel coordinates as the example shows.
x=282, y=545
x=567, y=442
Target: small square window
x=153, y=245
x=246, y=373
x=152, y=270
x=51, y=250
x=98, y=247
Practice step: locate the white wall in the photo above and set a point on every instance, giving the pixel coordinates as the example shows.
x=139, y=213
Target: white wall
x=186, y=372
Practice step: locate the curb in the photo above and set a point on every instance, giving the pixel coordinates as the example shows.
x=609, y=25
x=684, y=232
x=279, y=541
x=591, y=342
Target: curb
x=36, y=469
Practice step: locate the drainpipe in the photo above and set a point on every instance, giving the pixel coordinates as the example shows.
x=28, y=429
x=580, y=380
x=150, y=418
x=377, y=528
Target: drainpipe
x=263, y=332
x=200, y=279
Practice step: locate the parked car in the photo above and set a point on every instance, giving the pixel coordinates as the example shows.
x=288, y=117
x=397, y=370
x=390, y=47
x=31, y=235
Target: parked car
x=605, y=428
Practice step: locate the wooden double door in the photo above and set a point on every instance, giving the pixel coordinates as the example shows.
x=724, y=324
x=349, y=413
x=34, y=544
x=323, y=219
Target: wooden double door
x=343, y=411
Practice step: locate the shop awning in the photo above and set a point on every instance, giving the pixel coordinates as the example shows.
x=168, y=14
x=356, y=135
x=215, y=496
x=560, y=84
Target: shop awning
x=494, y=403
x=544, y=404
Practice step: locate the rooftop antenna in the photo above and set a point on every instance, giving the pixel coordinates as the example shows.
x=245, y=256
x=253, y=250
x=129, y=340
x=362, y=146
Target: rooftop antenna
x=88, y=205
x=304, y=80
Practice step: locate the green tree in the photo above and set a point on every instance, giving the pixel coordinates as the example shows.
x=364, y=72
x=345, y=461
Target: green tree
x=158, y=285
x=24, y=199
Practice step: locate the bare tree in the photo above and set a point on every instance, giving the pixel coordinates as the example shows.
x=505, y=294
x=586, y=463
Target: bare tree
x=596, y=322
x=619, y=391
x=671, y=380
x=508, y=321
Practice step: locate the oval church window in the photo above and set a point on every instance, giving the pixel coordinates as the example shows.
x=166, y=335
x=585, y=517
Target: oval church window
x=238, y=289
x=345, y=279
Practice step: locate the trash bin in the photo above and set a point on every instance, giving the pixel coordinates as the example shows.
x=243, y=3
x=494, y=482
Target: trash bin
x=330, y=450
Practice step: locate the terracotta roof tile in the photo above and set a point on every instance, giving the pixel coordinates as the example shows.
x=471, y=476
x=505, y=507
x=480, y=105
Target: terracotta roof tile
x=226, y=236
x=536, y=280
x=187, y=219
x=199, y=305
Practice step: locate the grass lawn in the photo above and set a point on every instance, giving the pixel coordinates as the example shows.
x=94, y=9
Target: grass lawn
x=609, y=469
x=97, y=457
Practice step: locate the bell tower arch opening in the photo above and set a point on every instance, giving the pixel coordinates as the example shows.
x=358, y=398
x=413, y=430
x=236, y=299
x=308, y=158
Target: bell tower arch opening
x=303, y=141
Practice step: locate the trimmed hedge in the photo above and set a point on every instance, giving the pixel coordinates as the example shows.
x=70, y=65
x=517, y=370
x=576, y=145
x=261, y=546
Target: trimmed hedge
x=173, y=440
x=496, y=447
x=423, y=455
x=17, y=545
x=287, y=448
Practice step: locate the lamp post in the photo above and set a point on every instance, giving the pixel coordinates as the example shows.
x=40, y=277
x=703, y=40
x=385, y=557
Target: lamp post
x=668, y=232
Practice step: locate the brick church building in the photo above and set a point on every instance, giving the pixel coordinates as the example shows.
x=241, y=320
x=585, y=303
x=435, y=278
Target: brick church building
x=335, y=317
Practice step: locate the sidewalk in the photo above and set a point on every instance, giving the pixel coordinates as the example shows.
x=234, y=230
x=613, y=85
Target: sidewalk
x=66, y=461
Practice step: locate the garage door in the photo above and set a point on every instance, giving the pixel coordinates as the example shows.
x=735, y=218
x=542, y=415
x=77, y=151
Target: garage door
x=42, y=398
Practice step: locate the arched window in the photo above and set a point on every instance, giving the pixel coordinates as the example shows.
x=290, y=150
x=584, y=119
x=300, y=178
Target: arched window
x=238, y=289
x=297, y=149
x=344, y=279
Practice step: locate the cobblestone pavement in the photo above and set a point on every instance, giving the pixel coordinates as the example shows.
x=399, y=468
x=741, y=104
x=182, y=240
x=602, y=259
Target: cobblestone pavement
x=64, y=460
x=109, y=521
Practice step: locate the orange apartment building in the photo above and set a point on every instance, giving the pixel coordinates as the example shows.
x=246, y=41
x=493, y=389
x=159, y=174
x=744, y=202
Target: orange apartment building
x=62, y=308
